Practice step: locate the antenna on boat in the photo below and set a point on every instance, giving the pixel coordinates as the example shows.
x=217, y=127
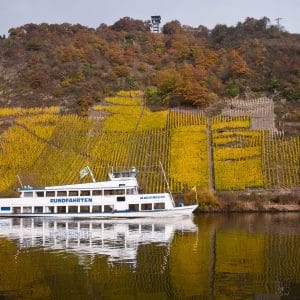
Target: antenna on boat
x=19, y=179
x=167, y=183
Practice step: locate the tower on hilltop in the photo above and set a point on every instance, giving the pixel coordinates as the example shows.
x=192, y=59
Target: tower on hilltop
x=155, y=20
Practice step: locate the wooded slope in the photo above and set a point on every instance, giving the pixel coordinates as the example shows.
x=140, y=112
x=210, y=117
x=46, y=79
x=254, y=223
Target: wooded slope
x=75, y=66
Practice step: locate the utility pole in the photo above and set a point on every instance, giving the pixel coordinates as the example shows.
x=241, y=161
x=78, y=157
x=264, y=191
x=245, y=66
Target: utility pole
x=278, y=22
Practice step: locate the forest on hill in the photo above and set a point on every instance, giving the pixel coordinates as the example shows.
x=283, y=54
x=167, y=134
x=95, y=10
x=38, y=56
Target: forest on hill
x=75, y=66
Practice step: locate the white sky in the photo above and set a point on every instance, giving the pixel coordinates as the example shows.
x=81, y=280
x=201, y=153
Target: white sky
x=92, y=13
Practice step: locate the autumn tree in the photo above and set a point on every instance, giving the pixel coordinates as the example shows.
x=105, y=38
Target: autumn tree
x=172, y=27
x=130, y=25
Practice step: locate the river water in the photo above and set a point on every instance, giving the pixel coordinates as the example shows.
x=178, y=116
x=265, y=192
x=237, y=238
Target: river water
x=236, y=256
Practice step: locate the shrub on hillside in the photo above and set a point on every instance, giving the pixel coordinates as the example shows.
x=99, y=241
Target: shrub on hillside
x=204, y=197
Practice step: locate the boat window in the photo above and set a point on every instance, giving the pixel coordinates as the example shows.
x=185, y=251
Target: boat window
x=121, y=174
x=97, y=192
x=73, y=193
x=114, y=192
x=16, y=221
x=72, y=225
x=50, y=223
x=121, y=198
x=108, y=226
x=133, y=207
x=28, y=194
x=96, y=225
x=84, y=225
x=17, y=210
x=37, y=223
x=61, y=193
x=97, y=209
x=27, y=223
x=160, y=205
x=40, y=194
x=5, y=208
x=61, y=209
x=27, y=209
x=159, y=228
x=131, y=191
x=49, y=209
x=133, y=227
x=121, y=185
x=38, y=209
x=146, y=227
x=108, y=208
x=84, y=209
x=85, y=193
x=50, y=194
x=61, y=225
x=146, y=206
x=73, y=209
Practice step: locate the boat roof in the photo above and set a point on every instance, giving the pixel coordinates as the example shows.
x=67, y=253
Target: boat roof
x=130, y=182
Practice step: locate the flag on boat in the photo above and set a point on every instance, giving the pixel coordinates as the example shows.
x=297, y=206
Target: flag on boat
x=85, y=171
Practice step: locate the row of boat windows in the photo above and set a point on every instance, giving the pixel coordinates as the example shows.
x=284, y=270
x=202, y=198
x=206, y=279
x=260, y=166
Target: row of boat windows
x=76, y=193
x=82, y=208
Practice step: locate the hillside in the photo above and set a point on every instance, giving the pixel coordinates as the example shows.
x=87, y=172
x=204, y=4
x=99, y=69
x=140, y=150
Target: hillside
x=229, y=152
x=75, y=67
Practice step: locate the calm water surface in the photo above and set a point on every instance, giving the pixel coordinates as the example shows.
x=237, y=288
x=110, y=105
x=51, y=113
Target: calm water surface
x=239, y=256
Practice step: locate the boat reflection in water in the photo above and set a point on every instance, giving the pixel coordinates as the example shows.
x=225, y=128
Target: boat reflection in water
x=118, y=239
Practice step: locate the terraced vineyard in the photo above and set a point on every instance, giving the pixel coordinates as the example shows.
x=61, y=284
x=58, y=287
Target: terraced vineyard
x=238, y=160
x=46, y=148
x=188, y=153
x=282, y=162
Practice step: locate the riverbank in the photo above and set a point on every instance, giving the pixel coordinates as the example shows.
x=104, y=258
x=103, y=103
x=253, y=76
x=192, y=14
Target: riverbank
x=283, y=200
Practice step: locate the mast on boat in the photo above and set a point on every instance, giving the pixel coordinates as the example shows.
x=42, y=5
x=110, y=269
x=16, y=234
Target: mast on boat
x=167, y=183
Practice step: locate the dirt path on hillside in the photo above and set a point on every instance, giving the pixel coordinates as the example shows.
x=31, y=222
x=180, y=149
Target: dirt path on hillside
x=211, y=182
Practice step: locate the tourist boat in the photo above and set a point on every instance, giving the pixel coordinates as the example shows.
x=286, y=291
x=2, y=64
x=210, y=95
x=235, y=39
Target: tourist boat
x=118, y=197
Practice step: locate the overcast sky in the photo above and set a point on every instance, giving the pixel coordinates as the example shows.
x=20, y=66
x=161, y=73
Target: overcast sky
x=92, y=13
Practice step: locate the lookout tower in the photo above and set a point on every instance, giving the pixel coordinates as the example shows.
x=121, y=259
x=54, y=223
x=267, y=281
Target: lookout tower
x=155, y=20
